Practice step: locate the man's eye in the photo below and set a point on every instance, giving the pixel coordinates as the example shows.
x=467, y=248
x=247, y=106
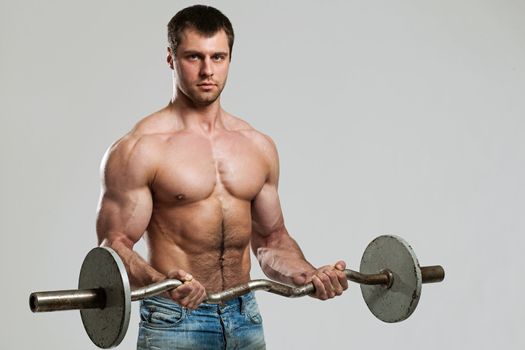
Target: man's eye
x=193, y=57
x=218, y=57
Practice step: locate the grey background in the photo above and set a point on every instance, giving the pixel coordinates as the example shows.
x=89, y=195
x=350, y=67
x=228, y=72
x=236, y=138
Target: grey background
x=401, y=117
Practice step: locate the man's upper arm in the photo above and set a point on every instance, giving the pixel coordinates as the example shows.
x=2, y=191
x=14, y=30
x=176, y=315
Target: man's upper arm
x=267, y=217
x=125, y=204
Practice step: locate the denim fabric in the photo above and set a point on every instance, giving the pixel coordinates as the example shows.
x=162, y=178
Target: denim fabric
x=164, y=324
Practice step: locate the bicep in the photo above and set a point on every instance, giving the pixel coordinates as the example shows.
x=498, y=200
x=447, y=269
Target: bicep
x=124, y=215
x=269, y=233
x=266, y=210
x=126, y=202
x=267, y=218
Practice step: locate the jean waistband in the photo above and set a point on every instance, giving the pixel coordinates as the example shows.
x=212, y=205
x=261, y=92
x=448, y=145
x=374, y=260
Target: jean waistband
x=238, y=302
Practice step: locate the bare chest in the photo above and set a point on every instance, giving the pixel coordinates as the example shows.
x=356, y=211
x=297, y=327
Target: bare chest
x=193, y=168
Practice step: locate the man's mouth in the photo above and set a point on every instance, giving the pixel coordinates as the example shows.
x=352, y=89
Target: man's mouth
x=206, y=87
x=206, y=84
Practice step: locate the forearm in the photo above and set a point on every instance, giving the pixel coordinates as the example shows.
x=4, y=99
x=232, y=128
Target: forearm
x=282, y=260
x=140, y=273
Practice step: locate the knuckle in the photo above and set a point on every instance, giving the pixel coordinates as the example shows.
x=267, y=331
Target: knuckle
x=324, y=278
x=330, y=272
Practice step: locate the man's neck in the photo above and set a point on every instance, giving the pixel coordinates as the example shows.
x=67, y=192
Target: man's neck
x=206, y=117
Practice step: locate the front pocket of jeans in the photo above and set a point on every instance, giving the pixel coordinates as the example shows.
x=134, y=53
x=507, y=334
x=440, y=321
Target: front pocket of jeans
x=161, y=318
x=252, y=312
x=256, y=318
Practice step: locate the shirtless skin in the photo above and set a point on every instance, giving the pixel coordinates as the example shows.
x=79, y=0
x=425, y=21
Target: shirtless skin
x=201, y=186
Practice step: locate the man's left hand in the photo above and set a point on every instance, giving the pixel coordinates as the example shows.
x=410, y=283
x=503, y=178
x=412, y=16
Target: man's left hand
x=329, y=280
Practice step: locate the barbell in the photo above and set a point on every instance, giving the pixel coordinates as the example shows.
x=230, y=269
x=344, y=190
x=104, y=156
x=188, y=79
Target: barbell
x=390, y=277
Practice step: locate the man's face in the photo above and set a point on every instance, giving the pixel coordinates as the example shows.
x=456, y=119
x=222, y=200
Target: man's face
x=201, y=64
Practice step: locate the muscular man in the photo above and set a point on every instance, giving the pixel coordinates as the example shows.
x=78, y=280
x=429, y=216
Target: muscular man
x=201, y=186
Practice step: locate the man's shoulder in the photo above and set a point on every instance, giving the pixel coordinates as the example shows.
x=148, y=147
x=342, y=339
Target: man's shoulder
x=130, y=151
x=146, y=132
x=139, y=144
x=157, y=123
x=239, y=125
x=260, y=140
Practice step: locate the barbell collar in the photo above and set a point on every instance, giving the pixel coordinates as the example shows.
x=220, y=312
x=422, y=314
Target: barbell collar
x=432, y=274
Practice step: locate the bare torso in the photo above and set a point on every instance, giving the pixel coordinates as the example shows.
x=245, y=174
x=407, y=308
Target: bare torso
x=202, y=191
x=202, y=187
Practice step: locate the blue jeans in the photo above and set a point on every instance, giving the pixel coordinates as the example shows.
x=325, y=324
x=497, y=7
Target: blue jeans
x=164, y=324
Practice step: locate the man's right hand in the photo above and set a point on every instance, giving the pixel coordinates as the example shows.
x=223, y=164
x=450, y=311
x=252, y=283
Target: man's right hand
x=190, y=294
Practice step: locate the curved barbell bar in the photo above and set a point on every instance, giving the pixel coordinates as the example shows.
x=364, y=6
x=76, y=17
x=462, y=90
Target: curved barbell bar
x=94, y=298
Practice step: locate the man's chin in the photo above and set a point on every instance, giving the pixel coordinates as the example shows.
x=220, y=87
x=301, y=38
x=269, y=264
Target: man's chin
x=204, y=100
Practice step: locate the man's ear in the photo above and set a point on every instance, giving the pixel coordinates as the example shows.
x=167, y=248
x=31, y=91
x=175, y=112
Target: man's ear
x=170, y=58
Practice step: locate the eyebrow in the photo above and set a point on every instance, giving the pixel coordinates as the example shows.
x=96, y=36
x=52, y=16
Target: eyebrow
x=194, y=52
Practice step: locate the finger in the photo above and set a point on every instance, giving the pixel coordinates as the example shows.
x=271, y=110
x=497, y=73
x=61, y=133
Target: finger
x=188, y=278
x=334, y=280
x=320, y=287
x=187, y=300
x=181, y=275
x=328, y=278
x=199, y=298
x=343, y=281
x=194, y=293
x=196, y=296
x=340, y=265
x=320, y=291
x=180, y=292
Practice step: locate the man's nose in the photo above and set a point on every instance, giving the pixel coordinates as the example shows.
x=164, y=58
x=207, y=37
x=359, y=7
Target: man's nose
x=206, y=67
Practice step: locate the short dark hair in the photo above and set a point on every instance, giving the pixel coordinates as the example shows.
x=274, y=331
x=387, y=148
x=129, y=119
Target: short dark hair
x=205, y=19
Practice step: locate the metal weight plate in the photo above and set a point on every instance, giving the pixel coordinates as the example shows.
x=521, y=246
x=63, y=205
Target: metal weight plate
x=396, y=303
x=103, y=268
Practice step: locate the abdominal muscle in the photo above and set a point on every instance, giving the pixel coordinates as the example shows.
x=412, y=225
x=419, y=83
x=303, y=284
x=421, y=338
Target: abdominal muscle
x=210, y=239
